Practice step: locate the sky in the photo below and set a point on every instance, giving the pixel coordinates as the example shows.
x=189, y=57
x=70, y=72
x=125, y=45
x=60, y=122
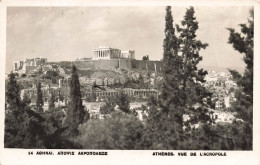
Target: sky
x=67, y=33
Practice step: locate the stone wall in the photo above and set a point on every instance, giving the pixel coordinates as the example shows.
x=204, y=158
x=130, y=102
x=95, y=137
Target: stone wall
x=147, y=65
x=125, y=63
x=106, y=64
x=115, y=64
x=89, y=64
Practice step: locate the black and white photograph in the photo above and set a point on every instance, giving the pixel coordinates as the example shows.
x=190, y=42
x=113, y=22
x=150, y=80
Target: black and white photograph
x=103, y=78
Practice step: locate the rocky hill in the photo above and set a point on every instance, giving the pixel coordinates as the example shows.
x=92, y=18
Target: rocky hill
x=50, y=74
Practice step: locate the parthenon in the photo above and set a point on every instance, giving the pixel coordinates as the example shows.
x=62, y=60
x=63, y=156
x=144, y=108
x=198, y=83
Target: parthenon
x=112, y=53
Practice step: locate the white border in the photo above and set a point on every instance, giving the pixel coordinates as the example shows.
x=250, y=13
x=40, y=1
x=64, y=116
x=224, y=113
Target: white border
x=20, y=156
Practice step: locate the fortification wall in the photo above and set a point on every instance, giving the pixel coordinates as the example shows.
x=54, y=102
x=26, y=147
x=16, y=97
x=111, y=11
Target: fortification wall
x=84, y=64
x=106, y=64
x=115, y=64
x=125, y=63
x=147, y=65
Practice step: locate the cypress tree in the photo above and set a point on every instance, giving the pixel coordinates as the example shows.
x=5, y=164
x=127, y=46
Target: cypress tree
x=39, y=99
x=171, y=66
x=12, y=92
x=181, y=88
x=75, y=113
x=164, y=121
x=52, y=102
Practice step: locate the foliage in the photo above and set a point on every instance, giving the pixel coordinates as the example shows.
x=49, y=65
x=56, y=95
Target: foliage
x=146, y=57
x=181, y=90
x=244, y=44
x=123, y=102
x=25, y=128
x=120, y=131
x=52, y=102
x=141, y=82
x=243, y=106
x=192, y=92
x=75, y=113
x=109, y=107
x=39, y=99
x=12, y=92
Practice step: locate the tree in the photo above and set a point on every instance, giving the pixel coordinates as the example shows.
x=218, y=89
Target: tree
x=171, y=64
x=120, y=131
x=94, y=85
x=26, y=100
x=243, y=106
x=39, y=99
x=146, y=58
x=23, y=127
x=93, y=96
x=12, y=92
x=52, y=102
x=123, y=102
x=181, y=90
x=244, y=44
x=75, y=113
x=192, y=92
x=103, y=83
x=165, y=117
x=107, y=83
x=141, y=81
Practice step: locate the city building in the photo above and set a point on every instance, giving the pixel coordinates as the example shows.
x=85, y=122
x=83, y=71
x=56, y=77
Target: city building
x=61, y=93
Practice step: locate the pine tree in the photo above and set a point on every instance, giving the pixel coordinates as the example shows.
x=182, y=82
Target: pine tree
x=244, y=44
x=243, y=106
x=75, y=113
x=39, y=99
x=192, y=92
